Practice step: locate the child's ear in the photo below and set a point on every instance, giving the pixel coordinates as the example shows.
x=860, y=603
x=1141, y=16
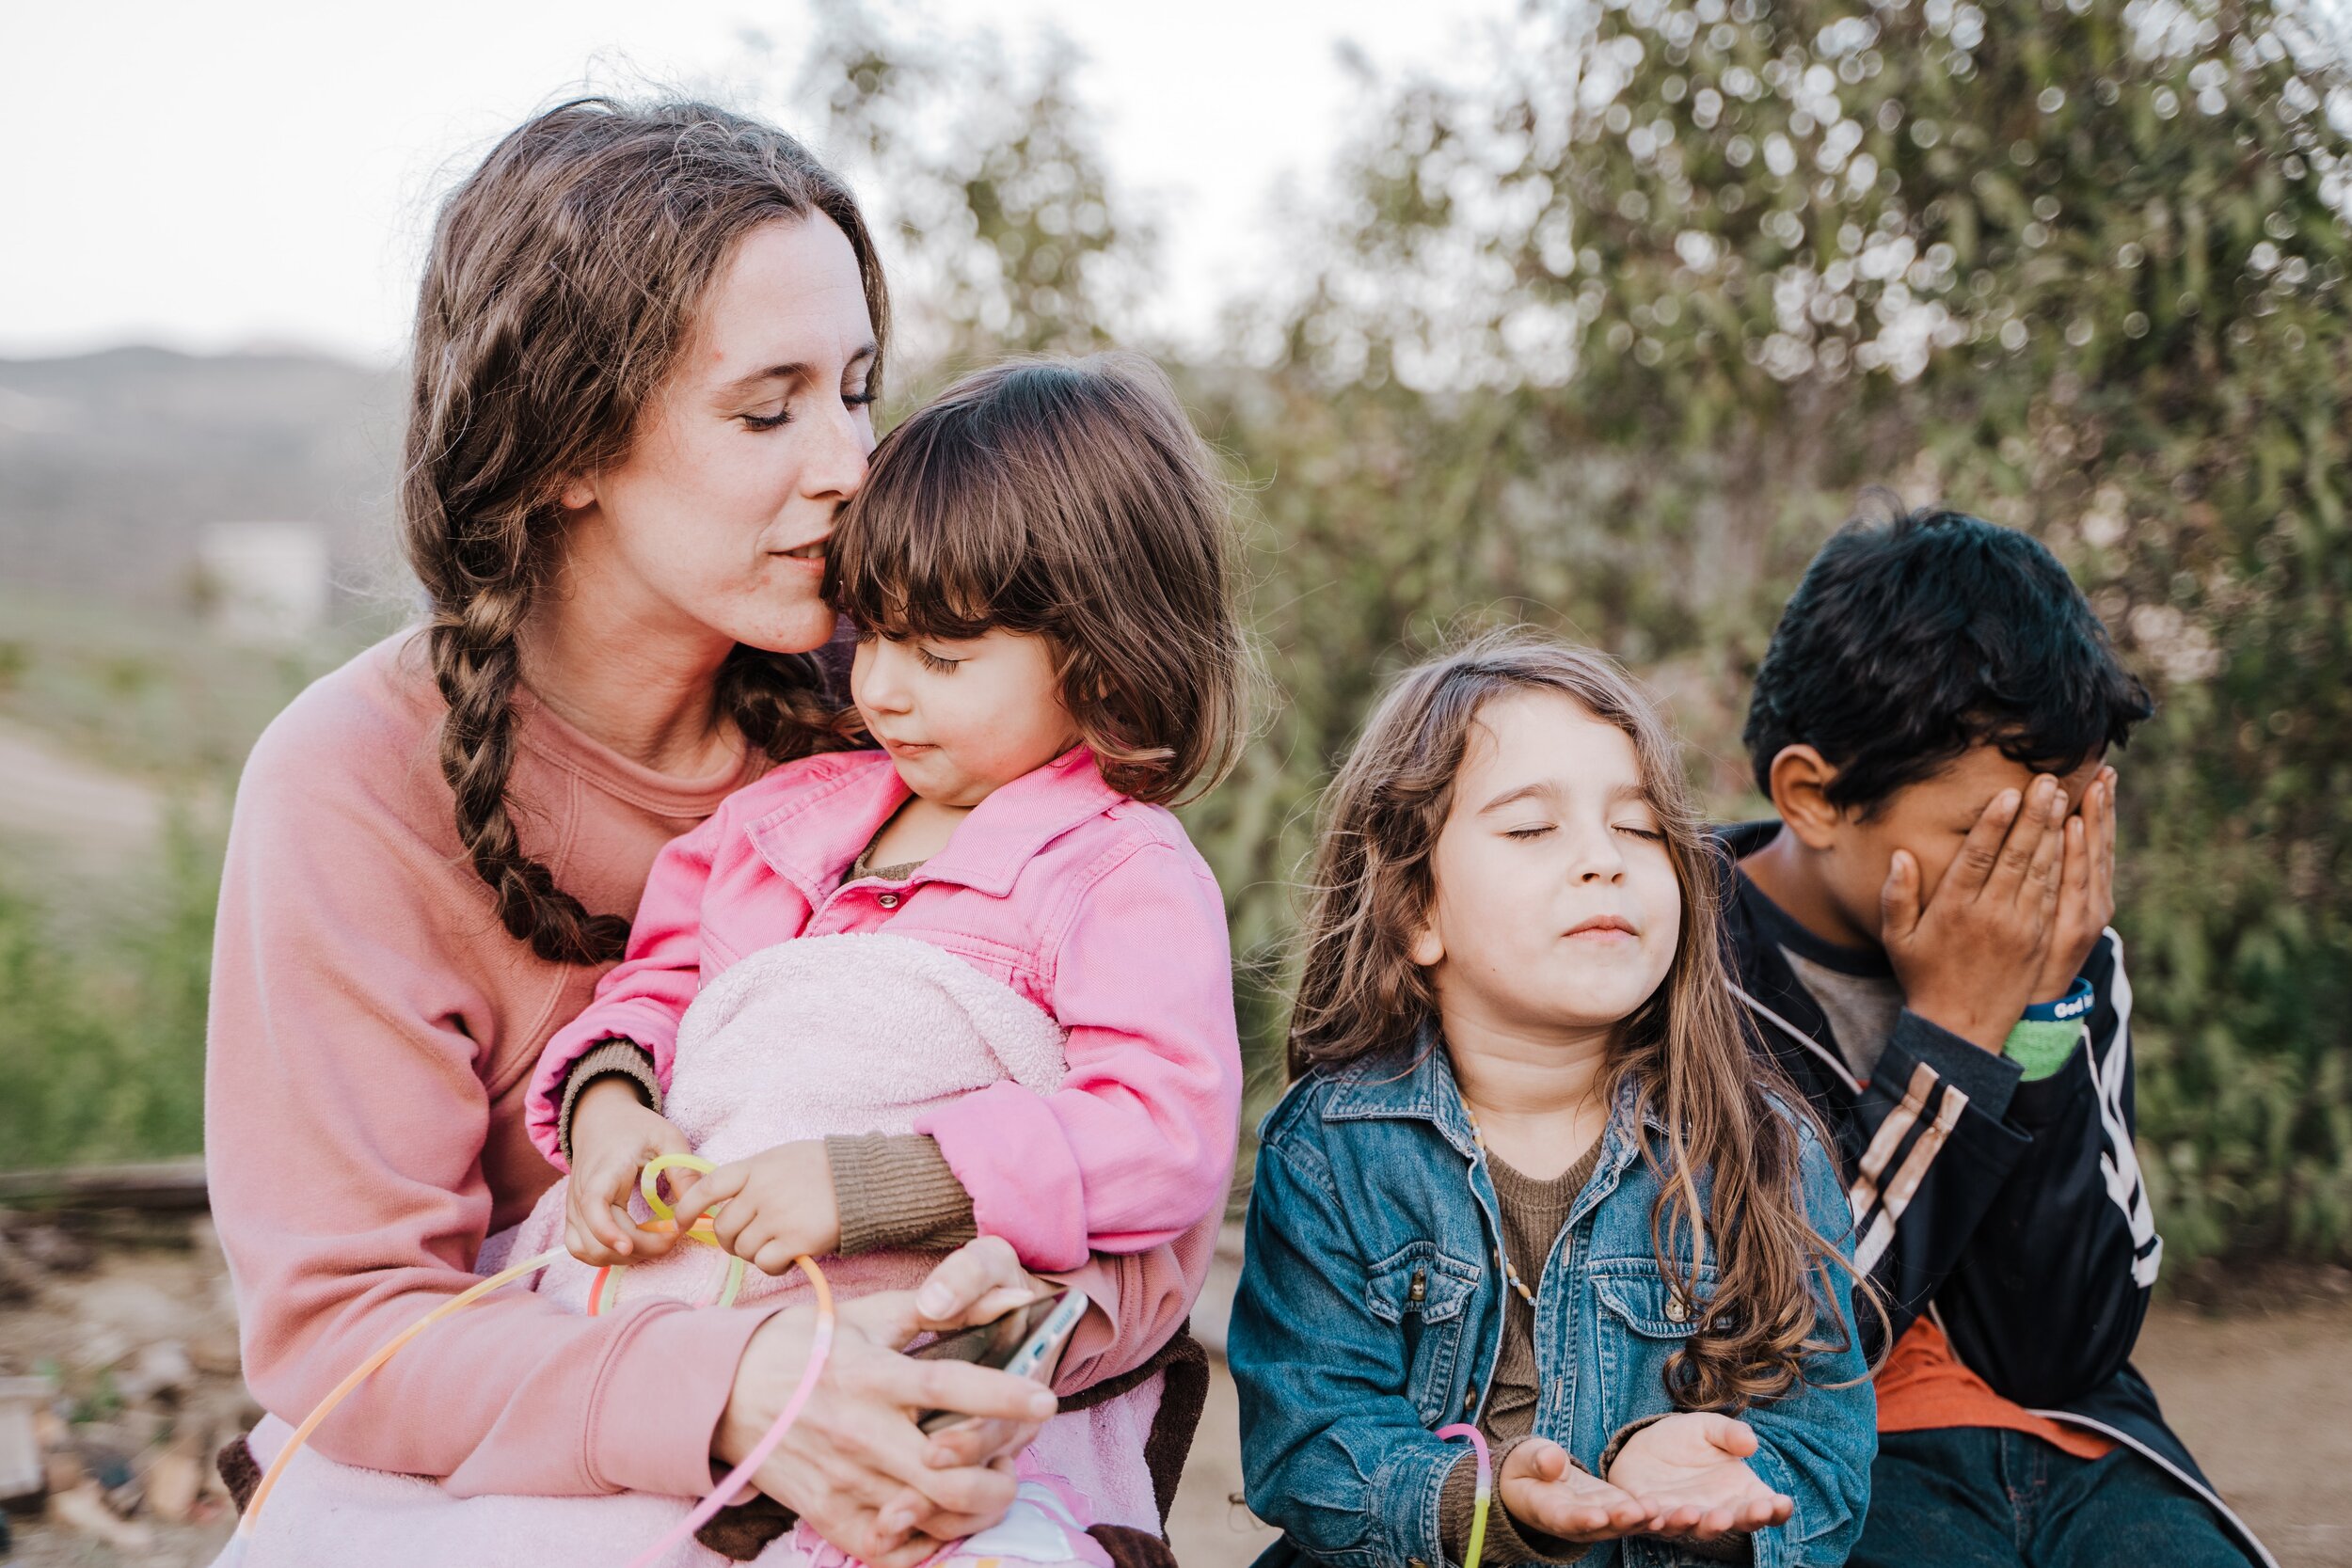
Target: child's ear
x=578, y=494
x=1800, y=777
x=1428, y=947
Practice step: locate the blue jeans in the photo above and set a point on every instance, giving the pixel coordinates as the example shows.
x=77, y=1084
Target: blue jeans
x=1981, y=1498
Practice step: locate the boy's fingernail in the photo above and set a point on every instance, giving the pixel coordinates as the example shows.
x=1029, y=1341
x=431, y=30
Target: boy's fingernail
x=1042, y=1404
x=932, y=1303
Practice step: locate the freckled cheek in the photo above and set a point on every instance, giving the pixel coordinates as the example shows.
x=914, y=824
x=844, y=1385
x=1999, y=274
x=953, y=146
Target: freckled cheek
x=741, y=492
x=717, y=537
x=694, y=560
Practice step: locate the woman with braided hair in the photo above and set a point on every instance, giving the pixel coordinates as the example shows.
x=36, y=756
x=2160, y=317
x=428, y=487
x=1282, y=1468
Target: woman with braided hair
x=647, y=341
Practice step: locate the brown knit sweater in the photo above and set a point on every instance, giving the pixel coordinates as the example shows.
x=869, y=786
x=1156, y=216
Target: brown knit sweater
x=1534, y=1214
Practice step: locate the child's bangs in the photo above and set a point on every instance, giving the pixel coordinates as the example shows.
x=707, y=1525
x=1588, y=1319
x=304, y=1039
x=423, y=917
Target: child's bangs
x=932, y=546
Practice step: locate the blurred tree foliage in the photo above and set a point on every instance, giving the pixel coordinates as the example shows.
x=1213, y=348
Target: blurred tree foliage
x=1609, y=338
x=1631, y=321
x=979, y=165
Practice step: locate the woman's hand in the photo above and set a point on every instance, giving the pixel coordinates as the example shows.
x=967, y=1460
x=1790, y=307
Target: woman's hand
x=1691, y=1471
x=1542, y=1491
x=854, y=1465
x=774, y=1206
x=613, y=1134
x=986, y=1275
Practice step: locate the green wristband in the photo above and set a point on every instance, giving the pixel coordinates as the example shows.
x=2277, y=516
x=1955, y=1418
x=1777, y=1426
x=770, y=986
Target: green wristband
x=2042, y=1048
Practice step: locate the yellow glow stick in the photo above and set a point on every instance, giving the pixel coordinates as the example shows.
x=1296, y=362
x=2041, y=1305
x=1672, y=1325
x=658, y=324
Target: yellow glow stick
x=342, y=1390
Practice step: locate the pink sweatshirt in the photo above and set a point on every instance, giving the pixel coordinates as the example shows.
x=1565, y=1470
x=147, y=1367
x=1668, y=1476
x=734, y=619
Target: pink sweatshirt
x=1094, y=907
x=373, y=1035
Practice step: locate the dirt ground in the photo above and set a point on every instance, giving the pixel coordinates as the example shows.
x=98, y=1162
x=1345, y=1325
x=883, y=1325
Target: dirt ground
x=133, y=1321
x=2256, y=1381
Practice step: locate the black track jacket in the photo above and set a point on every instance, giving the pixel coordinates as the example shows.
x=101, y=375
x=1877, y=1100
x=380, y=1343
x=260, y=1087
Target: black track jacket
x=2014, y=1213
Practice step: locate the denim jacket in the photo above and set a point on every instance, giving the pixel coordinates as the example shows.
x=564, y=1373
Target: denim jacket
x=1371, y=1313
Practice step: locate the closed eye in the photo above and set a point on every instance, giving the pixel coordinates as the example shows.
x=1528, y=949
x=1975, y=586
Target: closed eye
x=933, y=663
x=1532, y=830
x=859, y=399
x=1648, y=834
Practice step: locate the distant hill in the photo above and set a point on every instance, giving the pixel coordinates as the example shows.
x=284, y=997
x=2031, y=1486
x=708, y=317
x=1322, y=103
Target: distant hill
x=111, y=463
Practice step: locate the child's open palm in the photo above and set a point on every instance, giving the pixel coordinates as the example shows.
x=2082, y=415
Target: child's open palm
x=1692, y=1471
x=1542, y=1491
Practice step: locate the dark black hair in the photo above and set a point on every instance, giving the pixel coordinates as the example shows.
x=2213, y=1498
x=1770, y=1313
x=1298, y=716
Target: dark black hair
x=1914, y=637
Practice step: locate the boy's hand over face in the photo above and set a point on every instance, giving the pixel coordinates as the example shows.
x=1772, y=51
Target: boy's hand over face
x=1691, y=1472
x=778, y=1205
x=1542, y=1491
x=1971, y=959
x=2086, y=900
x=613, y=1134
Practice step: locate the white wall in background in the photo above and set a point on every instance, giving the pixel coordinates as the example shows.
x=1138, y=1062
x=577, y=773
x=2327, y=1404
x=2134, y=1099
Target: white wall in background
x=265, y=583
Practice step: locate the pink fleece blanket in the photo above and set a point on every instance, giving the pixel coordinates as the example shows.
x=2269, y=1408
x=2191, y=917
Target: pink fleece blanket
x=817, y=1036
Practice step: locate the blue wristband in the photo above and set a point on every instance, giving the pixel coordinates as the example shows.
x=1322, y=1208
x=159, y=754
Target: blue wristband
x=2075, y=1003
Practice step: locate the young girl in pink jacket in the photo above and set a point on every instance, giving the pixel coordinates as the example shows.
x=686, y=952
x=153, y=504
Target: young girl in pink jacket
x=978, y=975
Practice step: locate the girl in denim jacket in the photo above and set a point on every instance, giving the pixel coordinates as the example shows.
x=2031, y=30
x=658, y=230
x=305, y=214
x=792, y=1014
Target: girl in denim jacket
x=1529, y=1175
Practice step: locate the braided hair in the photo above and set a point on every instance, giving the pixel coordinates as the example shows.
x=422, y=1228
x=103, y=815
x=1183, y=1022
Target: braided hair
x=563, y=275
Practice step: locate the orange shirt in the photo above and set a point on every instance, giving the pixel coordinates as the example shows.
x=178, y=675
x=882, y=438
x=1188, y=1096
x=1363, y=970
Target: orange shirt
x=1924, y=1387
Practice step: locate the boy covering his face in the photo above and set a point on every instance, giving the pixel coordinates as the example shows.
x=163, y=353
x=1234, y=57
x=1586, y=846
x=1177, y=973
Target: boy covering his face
x=1922, y=939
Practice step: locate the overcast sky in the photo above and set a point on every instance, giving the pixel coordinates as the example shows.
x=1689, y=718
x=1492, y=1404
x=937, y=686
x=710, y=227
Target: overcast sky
x=215, y=176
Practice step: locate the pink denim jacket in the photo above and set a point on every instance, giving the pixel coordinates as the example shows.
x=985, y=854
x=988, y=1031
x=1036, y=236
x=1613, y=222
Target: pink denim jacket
x=1093, y=905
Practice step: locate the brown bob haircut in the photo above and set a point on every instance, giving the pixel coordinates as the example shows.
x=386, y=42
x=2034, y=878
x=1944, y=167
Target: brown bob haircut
x=1071, y=499
x=1727, y=1110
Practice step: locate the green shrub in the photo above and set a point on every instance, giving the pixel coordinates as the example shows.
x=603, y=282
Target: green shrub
x=104, y=1044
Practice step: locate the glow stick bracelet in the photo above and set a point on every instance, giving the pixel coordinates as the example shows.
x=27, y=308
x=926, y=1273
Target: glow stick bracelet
x=604, y=1292
x=1486, y=1487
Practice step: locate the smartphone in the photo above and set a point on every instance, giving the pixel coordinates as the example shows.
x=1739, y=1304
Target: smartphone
x=1026, y=1342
